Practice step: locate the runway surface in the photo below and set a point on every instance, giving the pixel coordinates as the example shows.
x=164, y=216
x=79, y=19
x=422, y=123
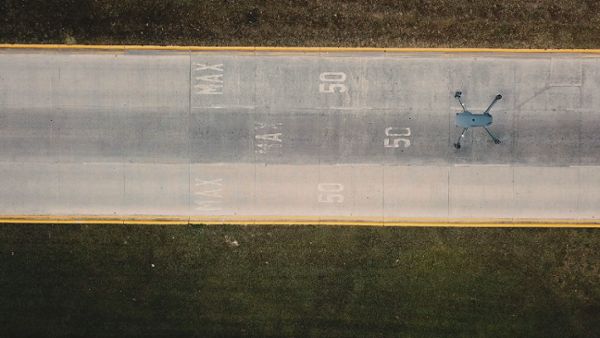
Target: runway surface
x=297, y=136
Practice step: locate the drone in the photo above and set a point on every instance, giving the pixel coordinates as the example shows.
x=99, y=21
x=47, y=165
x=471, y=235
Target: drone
x=467, y=120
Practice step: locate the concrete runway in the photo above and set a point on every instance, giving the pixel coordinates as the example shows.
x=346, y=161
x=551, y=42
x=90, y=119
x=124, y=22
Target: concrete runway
x=297, y=136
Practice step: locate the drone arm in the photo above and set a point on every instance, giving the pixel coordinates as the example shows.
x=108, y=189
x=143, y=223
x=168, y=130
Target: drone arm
x=460, y=101
x=496, y=140
x=497, y=98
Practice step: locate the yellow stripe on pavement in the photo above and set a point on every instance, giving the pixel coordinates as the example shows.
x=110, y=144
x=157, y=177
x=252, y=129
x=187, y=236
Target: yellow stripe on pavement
x=295, y=49
x=301, y=220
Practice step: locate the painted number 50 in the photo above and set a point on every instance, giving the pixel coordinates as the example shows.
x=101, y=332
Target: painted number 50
x=332, y=82
x=395, y=137
x=330, y=192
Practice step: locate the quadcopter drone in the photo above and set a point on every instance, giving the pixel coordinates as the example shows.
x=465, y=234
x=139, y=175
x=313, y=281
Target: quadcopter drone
x=467, y=120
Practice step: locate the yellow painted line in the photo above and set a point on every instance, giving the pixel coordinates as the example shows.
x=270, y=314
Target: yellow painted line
x=296, y=49
x=300, y=220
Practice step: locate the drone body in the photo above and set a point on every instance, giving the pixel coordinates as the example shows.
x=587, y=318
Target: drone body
x=469, y=120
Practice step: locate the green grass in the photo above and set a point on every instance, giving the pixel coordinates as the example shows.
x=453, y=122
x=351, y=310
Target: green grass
x=379, y=23
x=298, y=281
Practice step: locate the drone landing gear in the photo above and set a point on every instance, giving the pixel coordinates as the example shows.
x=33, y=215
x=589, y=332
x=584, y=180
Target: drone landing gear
x=494, y=138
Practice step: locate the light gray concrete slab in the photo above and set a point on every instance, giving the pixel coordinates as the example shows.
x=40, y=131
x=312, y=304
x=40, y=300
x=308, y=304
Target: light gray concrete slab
x=297, y=134
x=30, y=189
x=481, y=192
x=86, y=188
x=421, y=191
x=549, y=191
x=272, y=183
x=148, y=189
x=40, y=136
x=588, y=198
x=252, y=192
x=85, y=82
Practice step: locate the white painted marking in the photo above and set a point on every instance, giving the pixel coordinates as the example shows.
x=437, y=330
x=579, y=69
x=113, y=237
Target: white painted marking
x=480, y=165
x=233, y=106
x=199, y=182
x=266, y=136
x=215, y=193
x=264, y=125
x=330, y=192
x=388, y=132
x=331, y=88
x=208, y=83
x=215, y=78
x=198, y=67
x=332, y=77
x=394, y=140
x=263, y=148
x=208, y=89
x=269, y=137
x=208, y=194
x=337, y=77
